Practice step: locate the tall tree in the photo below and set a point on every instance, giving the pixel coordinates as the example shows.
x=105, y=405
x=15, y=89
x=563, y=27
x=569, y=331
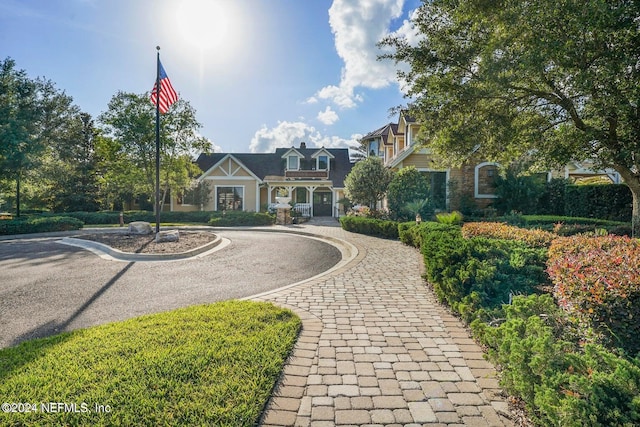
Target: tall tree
x=32, y=114
x=71, y=167
x=552, y=80
x=367, y=182
x=130, y=122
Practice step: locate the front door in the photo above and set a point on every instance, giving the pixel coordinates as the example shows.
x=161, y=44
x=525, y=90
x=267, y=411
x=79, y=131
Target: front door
x=322, y=203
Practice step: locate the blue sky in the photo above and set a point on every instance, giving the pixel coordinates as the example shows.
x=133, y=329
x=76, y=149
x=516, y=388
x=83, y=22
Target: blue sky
x=261, y=74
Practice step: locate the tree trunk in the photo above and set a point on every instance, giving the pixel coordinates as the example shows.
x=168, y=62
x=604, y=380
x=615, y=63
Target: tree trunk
x=18, y=196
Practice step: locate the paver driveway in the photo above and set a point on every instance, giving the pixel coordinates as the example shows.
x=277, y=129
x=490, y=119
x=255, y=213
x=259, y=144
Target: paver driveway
x=378, y=350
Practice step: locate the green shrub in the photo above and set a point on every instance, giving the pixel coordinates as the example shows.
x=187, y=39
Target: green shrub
x=479, y=273
x=527, y=345
x=533, y=220
x=597, y=279
x=39, y=225
x=370, y=226
x=406, y=186
x=561, y=384
x=240, y=218
x=551, y=202
x=517, y=192
x=453, y=218
x=113, y=217
x=612, y=202
x=598, y=388
x=411, y=233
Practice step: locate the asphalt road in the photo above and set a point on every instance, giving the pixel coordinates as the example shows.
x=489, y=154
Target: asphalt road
x=47, y=287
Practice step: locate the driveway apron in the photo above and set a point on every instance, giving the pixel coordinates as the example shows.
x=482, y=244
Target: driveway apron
x=377, y=348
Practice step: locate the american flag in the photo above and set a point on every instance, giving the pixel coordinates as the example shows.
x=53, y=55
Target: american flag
x=168, y=94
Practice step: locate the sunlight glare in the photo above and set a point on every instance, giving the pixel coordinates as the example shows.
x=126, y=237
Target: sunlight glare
x=208, y=25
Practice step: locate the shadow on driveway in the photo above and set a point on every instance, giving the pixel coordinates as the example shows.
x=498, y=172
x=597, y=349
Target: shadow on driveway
x=39, y=347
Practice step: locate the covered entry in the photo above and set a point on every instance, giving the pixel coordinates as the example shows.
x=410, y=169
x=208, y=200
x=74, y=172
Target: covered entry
x=322, y=203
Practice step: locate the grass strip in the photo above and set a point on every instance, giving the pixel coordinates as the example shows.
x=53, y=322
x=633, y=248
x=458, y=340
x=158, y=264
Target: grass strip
x=213, y=364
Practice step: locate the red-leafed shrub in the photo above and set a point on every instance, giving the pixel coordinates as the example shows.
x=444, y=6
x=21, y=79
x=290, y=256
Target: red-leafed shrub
x=597, y=279
x=498, y=230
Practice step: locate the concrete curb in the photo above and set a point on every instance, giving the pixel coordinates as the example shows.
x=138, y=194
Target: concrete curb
x=107, y=252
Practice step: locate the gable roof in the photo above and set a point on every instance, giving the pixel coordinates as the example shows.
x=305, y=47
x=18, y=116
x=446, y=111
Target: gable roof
x=260, y=164
x=382, y=132
x=265, y=164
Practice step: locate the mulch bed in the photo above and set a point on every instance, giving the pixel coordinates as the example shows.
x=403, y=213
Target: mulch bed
x=146, y=244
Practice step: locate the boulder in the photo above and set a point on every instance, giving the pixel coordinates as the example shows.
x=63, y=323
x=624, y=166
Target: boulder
x=140, y=227
x=168, y=236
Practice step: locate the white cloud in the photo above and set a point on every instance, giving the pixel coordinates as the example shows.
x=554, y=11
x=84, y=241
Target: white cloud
x=358, y=25
x=328, y=116
x=215, y=148
x=290, y=134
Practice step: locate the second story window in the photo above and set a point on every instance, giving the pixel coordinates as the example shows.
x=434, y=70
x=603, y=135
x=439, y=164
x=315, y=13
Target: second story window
x=294, y=163
x=323, y=162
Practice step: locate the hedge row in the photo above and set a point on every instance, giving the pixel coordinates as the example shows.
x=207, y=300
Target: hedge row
x=612, y=202
x=532, y=237
x=478, y=274
x=39, y=225
x=373, y=227
x=239, y=218
x=597, y=279
x=111, y=217
x=567, y=225
x=537, y=345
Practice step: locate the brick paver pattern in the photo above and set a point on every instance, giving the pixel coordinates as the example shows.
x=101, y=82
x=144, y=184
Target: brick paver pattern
x=377, y=349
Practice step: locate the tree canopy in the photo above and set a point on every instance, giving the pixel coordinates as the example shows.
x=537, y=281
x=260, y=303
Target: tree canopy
x=367, y=182
x=33, y=116
x=130, y=122
x=549, y=80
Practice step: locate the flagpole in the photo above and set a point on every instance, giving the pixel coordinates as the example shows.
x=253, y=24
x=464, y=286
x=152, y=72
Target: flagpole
x=158, y=91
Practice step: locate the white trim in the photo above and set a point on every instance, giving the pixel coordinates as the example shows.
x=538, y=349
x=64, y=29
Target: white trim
x=476, y=171
x=318, y=163
x=230, y=178
x=288, y=153
x=319, y=153
x=291, y=157
x=228, y=175
x=257, y=197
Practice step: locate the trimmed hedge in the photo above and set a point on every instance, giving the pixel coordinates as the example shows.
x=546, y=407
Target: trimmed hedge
x=536, y=344
x=597, y=279
x=533, y=237
x=39, y=225
x=568, y=225
x=612, y=202
x=240, y=218
x=113, y=217
x=531, y=220
x=478, y=274
x=370, y=226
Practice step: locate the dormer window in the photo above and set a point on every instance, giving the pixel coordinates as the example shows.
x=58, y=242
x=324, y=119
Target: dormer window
x=322, y=159
x=293, y=163
x=322, y=162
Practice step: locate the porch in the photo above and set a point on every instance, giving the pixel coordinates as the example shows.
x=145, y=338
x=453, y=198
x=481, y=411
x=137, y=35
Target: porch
x=307, y=200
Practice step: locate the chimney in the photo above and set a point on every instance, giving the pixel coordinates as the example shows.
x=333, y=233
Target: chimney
x=303, y=145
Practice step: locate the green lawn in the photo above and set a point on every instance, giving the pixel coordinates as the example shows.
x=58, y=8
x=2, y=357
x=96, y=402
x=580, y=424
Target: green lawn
x=205, y=365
